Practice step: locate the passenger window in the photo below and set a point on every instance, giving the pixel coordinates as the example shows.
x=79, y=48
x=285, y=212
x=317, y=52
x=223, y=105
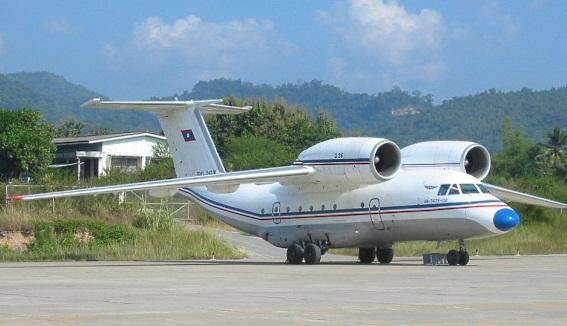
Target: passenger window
x=443, y=190
x=454, y=190
x=483, y=188
x=469, y=188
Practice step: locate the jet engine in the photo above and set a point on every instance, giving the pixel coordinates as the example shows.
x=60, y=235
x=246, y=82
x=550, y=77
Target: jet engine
x=467, y=157
x=358, y=160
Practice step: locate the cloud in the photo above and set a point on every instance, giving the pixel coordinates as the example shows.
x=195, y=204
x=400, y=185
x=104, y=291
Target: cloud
x=337, y=67
x=61, y=26
x=201, y=48
x=1, y=44
x=500, y=26
x=385, y=29
x=109, y=50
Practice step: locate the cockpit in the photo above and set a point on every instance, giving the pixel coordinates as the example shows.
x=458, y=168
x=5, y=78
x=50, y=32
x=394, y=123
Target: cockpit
x=463, y=188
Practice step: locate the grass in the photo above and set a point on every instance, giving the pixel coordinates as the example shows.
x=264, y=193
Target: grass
x=129, y=233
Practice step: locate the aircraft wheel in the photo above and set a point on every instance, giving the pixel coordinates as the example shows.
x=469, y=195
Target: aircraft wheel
x=385, y=255
x=312, y=254
x=366, y=255
x=295, y=254
x=453, y=257
x=463, y=258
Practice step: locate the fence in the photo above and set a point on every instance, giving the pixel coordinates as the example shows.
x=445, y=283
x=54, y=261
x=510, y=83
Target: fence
x=181, y=210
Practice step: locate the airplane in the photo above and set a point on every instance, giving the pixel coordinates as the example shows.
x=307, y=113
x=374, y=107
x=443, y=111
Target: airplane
x=349, y=192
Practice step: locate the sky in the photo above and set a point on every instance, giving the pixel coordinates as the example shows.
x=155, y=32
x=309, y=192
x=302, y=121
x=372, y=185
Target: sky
x=139, y=49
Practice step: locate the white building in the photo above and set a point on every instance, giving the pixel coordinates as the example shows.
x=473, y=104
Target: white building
x=97, y=154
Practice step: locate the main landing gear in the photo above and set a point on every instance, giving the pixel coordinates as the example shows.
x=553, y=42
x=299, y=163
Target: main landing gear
x=310, y=252
x=460, y=257
x=383, y=254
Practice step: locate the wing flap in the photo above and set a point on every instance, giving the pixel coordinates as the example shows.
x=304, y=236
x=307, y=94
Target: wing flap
x=232, y=178
x=520, y=197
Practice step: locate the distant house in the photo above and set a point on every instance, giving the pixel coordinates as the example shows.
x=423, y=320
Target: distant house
x=96, y=154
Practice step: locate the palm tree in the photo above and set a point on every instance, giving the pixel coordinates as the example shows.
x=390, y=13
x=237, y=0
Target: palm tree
x=555, y=149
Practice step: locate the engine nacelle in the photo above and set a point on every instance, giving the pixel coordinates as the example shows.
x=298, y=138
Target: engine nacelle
x=468, y=157
x=358, y=160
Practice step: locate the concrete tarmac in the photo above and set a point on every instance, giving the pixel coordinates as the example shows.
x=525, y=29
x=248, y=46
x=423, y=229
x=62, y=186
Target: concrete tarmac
x=509, y=290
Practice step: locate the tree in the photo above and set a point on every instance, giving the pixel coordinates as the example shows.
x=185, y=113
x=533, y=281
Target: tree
x=252, y=152
x=70, y=128
x=25, y=143
x=554, y=151
x=517, y=156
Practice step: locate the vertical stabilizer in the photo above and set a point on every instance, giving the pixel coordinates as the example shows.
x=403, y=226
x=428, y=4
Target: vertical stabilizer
x=190, y=143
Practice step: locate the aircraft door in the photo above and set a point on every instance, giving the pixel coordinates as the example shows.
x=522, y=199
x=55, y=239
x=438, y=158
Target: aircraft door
x=276, y=213
x=375, y=216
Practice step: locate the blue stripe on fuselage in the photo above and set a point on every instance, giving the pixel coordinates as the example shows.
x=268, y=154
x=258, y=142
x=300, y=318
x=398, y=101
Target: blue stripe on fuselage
x=382, y=210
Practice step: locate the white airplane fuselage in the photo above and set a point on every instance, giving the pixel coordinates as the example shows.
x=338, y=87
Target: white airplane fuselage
x=404, y=208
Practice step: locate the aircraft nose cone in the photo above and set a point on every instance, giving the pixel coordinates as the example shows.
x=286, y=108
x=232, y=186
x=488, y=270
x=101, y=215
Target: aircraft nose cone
x=506, y=219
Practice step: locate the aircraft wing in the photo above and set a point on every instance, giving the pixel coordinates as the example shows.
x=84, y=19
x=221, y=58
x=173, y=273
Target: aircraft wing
x=232, y=178
x=520, y=197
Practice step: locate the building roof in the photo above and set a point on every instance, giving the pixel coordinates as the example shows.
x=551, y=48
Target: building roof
x=105, y=138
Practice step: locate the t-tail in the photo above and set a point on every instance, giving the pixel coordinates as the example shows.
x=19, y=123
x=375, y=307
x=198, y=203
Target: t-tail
x=190, y=143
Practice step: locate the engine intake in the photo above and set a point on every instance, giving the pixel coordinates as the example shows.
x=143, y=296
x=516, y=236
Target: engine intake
x=353, y=160
x=468, y=157
x=387, y=160
x=477, y=161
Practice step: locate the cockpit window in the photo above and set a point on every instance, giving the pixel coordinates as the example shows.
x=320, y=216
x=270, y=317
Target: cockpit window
x=469, y=188
x=454, y=190
x=483, y=188
x=443, y=190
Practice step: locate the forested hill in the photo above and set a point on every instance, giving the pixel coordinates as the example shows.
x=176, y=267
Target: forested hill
x=396, y=114
x=409, y=117
x=60, y=100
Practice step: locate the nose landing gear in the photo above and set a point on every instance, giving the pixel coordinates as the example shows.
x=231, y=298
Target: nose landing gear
x=460, y=257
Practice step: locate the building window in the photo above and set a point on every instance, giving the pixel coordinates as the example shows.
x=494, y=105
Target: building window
x=124, y=163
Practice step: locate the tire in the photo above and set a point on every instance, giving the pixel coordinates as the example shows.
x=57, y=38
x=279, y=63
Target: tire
x=366, y=255
x=385, y=255
x=312, y=254
x=453, y=257
x=295, y=254
x=463, y=258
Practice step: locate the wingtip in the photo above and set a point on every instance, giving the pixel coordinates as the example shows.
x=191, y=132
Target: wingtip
x=15, y=198
x=91, y=102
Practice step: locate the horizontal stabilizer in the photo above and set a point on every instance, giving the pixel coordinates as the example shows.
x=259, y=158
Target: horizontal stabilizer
x=205, y=106
x=231, y=178
x=520, y=197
